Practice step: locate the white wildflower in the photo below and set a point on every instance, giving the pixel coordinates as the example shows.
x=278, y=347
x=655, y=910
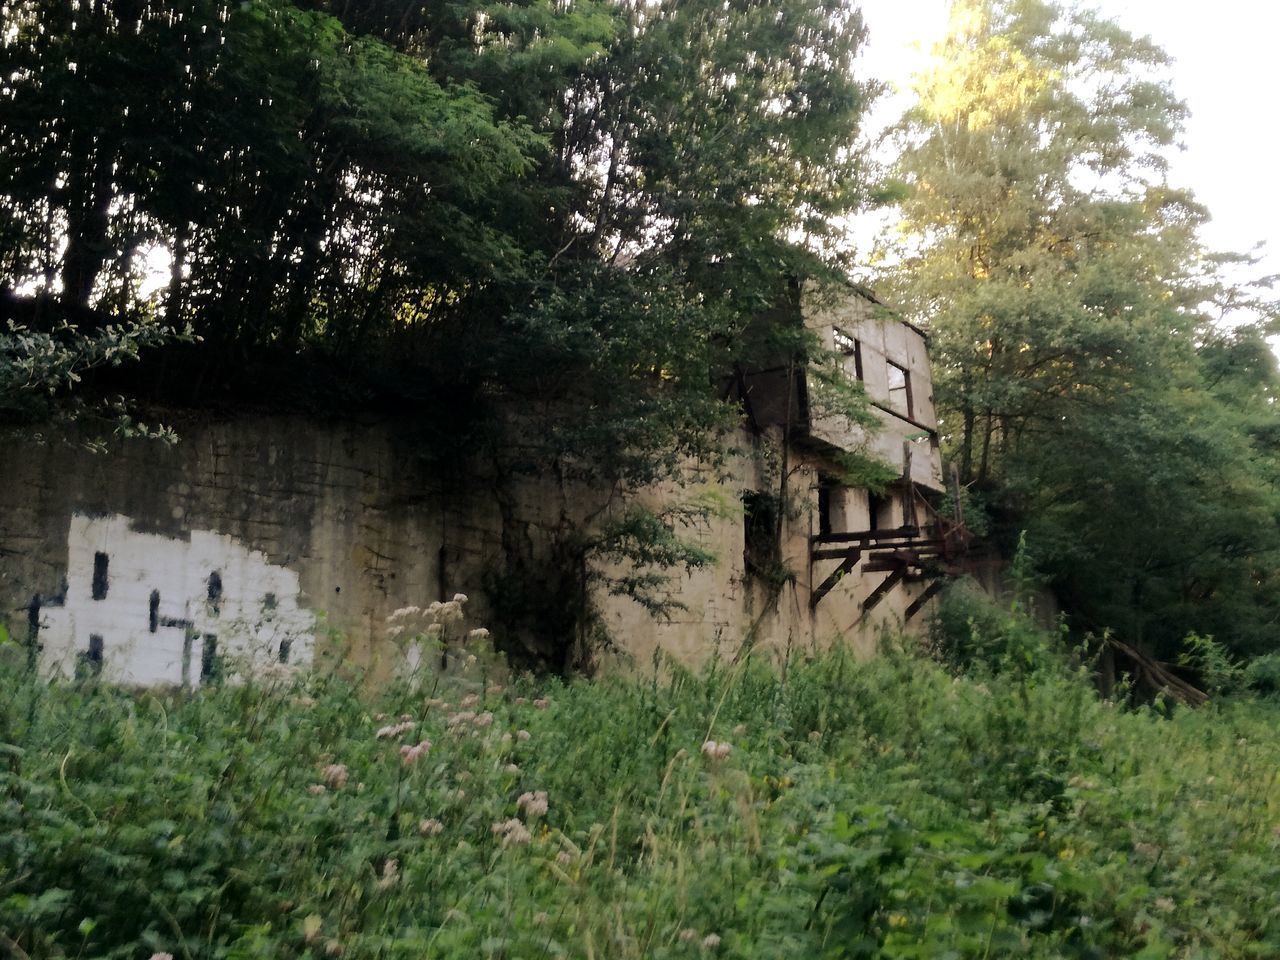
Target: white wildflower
x=533, y=803
x=390, y=874
x=512, y=833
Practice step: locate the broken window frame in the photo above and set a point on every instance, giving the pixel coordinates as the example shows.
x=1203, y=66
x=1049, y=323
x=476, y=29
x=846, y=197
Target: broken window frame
x=849, y=347
x=900, y=400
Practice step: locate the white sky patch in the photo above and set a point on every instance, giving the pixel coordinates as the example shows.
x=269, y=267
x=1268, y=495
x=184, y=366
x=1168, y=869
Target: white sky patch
x=1223, y=69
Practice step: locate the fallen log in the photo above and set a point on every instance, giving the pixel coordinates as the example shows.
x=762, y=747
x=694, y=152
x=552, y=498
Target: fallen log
x=1158, y=675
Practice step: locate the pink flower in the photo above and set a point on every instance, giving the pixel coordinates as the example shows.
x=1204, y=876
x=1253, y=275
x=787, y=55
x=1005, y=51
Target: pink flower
x=688, y=935
x=710, y=941
x=716, y=751
x=161, y=956
x=316, y=789
x=521, y=701
x=411, y=753
x=335, y=775
x=394, y=730
x=512, y=833
x=430, y=828
x=470, y=700
x=460, y=719
x=542, y=703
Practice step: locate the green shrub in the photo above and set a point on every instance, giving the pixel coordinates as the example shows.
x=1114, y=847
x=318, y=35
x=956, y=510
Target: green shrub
x=1262, y=675
x=830, y=808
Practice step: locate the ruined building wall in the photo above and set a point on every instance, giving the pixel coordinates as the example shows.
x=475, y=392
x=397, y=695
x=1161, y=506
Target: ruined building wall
x=276, y=539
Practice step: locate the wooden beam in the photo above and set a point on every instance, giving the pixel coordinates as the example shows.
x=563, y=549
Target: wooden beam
x=908, y=489
x=931, y=431
x=850, y=561
x=880, y=592
x=867, y=536
x=906, y=549
x=918, y=603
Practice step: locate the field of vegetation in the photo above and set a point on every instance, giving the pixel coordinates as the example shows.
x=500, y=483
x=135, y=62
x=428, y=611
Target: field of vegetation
x=820, y=807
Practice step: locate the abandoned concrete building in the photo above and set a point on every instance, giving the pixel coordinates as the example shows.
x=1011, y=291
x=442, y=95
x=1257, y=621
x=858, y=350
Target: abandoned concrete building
x=271, y=538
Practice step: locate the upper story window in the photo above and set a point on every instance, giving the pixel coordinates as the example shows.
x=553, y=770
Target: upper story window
x=900, y=390
x=852, y=351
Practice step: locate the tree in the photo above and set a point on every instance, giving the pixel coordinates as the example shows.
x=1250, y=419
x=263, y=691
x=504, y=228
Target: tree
x=1070, y=302
x=568, y=211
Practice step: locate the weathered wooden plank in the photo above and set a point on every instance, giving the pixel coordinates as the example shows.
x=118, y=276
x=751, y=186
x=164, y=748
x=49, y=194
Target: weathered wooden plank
x=918, y=603
x=850, y=561
x=880, y=592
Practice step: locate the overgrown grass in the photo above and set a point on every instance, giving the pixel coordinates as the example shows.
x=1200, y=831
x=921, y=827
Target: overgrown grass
x=865, y=809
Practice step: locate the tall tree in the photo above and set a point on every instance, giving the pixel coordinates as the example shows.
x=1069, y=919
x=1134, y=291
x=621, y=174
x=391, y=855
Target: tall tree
x=538, y=227
x=1070, y=300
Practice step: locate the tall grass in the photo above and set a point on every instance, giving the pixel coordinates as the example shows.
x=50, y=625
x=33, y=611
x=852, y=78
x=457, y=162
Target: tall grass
x=862, y=809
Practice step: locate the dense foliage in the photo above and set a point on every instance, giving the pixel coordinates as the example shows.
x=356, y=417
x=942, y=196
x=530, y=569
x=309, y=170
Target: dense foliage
x=1089, y=393
x=826, y=808
x=567, y=209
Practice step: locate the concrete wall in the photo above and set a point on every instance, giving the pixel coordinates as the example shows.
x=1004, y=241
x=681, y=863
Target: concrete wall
x=847, y=323
x=336, y=521
x=318, y=532
x=160, y=609
x=727, y=605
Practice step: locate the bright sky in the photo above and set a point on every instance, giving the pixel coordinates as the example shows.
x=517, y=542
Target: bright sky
x=1224, y=68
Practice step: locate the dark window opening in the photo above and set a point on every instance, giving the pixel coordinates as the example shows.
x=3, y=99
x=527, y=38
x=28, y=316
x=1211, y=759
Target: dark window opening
x=33, y=631
x=851, y=348
x=153, y=611
x=99, y=587
x=215, y=593
x=877, y=506
x=92, y=659
x=285, y=646
x=210, y=666
x=761, y=548
x=268, y=601
x=826, y=500
x=900, y=390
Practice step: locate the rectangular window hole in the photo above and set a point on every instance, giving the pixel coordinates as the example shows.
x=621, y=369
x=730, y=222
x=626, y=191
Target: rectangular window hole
x=99, y=587
x=92, y=659
x=215, y=593
x=210, y=666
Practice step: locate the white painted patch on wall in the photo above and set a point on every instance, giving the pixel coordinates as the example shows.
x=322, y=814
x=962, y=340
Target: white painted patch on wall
x=142, y=608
